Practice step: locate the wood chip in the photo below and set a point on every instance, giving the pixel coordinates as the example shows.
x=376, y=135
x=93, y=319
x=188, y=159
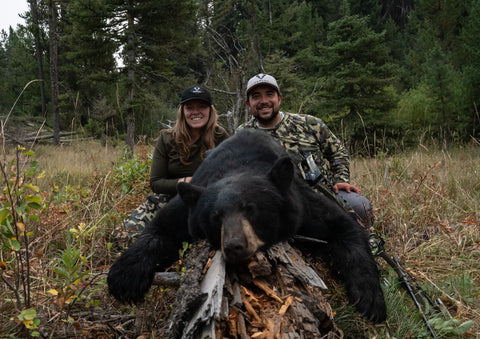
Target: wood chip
x=263, y=286
x=249, y=308
x=285, y=306
x=207, y=265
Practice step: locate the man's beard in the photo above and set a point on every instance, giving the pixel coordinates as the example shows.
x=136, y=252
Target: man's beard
x=265, y=121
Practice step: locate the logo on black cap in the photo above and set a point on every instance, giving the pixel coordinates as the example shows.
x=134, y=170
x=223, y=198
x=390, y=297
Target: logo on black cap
x=196, y=92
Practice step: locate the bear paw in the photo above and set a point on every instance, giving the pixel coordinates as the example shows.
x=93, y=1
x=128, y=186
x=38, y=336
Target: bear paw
x=129, y=280
x=371, y=303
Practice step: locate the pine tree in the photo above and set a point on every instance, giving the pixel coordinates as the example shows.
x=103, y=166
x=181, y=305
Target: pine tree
x=17, y=68
x=356, y=65
x=87, y=63
x=471, y=71
x=357, y=75
x=435, y=62
x=159, y=49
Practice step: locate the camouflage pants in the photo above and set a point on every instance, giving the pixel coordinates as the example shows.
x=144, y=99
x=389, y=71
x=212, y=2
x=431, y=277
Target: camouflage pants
x=360, y=205
x=135, y=223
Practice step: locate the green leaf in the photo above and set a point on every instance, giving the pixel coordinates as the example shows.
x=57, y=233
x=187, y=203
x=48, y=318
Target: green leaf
x=61, y=271
x=21, y=207
x=32, y=187
x=29, y=314
x=34, y=218
x=7, y=231
x=15, y=244
x=464, y=327
x=3, y=214
x=34, y=198
x=34, y=205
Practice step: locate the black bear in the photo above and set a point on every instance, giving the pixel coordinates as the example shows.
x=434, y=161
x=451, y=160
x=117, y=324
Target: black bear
x=246, y=195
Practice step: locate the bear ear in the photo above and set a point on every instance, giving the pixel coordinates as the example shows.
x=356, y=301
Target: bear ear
x=189, y=193
x=281, y=173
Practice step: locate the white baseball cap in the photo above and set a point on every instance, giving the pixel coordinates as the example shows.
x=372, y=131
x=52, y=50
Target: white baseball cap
x=262, y=79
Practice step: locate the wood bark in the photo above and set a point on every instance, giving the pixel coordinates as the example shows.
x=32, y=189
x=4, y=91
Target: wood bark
x=275, y=295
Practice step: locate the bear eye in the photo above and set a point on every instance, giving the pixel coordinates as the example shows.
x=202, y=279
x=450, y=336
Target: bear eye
x=216, y=217
x=249, y=208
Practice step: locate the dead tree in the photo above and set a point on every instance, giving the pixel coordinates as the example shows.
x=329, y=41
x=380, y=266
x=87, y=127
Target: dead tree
x=275, y=295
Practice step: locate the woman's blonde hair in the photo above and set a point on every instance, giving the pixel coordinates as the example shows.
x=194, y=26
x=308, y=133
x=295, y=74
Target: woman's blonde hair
x=183, y=138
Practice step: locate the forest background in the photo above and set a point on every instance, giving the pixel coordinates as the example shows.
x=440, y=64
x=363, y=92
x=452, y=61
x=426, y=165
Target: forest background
x=383, y=75
x=397, y=80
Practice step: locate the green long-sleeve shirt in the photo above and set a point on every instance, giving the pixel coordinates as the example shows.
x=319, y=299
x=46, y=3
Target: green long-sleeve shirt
x=166, y=165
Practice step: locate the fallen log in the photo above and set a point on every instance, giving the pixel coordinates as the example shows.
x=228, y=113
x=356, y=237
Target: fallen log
x=9, y=138
x=189, y=295
x=275, y=295
x=167, y=279
x=49, y=136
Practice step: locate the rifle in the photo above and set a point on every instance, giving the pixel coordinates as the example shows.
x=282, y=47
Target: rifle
x=419, y=296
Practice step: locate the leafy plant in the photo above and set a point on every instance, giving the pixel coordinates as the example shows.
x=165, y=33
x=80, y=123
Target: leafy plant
x=133, y=173
x=94, y=128
x=19, y=206
x=29, y=319
x=451, y=326
x=70, y=273
x=68, y=265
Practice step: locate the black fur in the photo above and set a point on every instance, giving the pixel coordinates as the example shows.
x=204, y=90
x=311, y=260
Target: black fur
x=250, y=175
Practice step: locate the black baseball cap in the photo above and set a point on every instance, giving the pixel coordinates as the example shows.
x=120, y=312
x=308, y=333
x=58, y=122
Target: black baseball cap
x=196, y=92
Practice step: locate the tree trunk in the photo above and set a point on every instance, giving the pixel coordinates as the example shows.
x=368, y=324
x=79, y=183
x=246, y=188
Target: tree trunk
x=130, y=138
x=52, y=33
x=38, y=53
x=276, y=295
x=256, y=37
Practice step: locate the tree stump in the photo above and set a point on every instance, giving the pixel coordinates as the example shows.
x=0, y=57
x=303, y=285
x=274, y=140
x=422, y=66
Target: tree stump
x=275, y=295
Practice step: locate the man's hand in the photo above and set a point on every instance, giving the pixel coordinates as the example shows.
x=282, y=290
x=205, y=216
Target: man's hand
x=344, y=186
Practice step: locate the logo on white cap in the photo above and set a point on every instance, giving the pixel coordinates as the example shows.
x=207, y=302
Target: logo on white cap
x=260, y=79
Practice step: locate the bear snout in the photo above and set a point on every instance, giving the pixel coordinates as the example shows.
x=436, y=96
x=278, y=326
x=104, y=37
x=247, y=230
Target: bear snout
x=234, y=250
x=239, y=240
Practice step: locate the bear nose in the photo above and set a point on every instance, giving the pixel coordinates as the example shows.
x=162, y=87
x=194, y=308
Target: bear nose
x=234, y=250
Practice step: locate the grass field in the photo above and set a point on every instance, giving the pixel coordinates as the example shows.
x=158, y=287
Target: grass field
x=58, y=244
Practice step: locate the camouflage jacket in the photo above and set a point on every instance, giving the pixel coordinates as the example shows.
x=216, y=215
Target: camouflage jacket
x=302, y=135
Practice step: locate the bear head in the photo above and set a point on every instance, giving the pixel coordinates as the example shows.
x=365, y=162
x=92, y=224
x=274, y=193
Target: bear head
x=244, y=210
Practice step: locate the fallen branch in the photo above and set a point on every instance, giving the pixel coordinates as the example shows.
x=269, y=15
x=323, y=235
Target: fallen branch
x=50, y=136
x=167, y=279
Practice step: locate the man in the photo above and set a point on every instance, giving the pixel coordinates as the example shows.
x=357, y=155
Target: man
x=321, y=157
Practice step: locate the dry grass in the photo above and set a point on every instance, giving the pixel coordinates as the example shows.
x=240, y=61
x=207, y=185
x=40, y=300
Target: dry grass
x=427, y=207
x=72, y=164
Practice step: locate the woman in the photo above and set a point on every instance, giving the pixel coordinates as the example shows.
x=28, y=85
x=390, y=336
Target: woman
x=178, y=153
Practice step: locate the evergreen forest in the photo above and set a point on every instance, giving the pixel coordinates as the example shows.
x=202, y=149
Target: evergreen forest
x=397, y=80
x=383, y=74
